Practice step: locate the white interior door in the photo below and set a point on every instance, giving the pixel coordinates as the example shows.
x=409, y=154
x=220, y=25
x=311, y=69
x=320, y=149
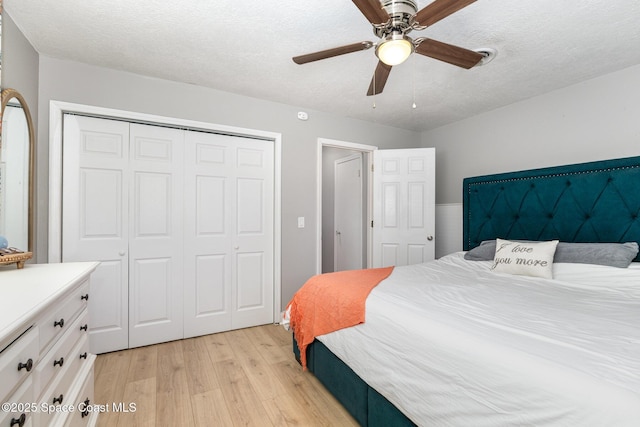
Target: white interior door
x=403, y=206
x=348, y=251
x=155, y=234
x=229, y=277
x=95, y=224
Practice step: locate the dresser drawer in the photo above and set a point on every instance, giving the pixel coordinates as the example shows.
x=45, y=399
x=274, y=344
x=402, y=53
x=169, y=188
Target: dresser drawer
x=17, y=360
x=61, y=353
x=58, y=320
x=85, y=413
x=21, y=406
x=59, y=393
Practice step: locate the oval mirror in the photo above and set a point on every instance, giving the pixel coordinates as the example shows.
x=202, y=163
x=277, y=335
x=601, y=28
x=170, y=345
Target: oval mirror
x=16, y=172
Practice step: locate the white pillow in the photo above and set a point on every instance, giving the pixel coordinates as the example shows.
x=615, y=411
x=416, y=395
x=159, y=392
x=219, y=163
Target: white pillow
x=525, y=258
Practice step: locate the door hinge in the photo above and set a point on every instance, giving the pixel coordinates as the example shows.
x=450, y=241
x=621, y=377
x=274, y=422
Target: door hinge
x=371, y=223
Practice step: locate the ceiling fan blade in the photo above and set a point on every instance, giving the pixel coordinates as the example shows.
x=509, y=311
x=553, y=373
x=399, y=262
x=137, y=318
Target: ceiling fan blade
x=323, y=54
x=379, y=78
x=372, y=10
x=438, y=10
x=455, y=55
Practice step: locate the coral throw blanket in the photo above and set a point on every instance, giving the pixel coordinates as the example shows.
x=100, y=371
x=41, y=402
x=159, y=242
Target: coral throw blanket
x=331, y=301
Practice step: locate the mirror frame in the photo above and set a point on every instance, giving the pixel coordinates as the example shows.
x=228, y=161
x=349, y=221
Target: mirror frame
x=7, y=94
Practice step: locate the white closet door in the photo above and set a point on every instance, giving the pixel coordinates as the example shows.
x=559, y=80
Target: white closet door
x=403, y=206
x=95, y=224
x=252, y=262
x=155, y=235
x=208, y=234
x=229, y=188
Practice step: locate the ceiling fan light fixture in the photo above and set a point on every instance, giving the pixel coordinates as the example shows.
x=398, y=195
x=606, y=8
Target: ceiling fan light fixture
x=395, y=49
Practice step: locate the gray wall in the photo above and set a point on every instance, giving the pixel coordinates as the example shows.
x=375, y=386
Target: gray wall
x=20, y=72
x=593, y=120
x=80, y=83
x=19, y=63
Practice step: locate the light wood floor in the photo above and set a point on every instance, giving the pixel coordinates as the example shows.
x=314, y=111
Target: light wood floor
x=246, y=377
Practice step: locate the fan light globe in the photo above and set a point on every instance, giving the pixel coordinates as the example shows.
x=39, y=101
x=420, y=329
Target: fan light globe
x=395, y=50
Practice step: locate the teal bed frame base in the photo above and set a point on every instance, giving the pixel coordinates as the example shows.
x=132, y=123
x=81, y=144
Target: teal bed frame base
x=364, y=403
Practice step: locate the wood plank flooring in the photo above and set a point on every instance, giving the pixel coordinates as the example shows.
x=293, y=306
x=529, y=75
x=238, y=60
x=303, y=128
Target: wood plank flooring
x=246, y=377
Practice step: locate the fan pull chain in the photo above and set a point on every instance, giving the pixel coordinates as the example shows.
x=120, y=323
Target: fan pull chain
x=413, y=81
x=375, y=93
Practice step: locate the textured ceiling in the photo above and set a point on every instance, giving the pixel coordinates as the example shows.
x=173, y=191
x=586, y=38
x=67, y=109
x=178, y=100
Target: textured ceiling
x=246, y=48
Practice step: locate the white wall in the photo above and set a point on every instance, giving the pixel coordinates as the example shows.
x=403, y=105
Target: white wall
x=448, y=228
x=593, y=120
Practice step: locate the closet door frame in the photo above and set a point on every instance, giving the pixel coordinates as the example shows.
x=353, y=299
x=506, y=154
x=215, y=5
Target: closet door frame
x=58, y=108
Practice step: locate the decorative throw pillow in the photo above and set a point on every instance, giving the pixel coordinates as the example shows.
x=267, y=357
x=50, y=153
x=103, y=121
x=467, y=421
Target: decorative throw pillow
x=484, y=252
x=525, y=258
x=611, y=254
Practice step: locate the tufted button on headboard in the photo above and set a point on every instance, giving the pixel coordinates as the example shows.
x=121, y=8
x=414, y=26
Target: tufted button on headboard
x=586, y=202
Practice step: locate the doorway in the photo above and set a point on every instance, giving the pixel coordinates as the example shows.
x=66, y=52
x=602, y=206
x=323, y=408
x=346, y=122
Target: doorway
x=409, y=214
x=334, y=214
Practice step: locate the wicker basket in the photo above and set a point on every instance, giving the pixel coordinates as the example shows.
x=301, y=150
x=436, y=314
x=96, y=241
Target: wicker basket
x=8, y=256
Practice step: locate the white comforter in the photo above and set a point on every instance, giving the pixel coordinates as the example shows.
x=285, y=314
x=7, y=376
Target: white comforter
x=451, y=343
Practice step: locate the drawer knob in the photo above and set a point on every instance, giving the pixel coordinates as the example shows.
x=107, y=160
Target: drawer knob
x=83, y=328
x=60, y=323
x=58, y=399
x=84, y=297
x=83, y=355
x=86, y=402
x=58, y=362
x=28, y=366
x=20, y=421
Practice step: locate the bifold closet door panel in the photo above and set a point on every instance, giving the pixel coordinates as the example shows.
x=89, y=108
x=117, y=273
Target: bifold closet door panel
x=252, y=262
x=208, y=234
x=95, y=220
x=155, y=235
x=229, y=187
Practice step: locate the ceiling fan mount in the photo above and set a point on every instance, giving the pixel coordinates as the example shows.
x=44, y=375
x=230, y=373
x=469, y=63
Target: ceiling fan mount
x=392, y=20
x=401, y=18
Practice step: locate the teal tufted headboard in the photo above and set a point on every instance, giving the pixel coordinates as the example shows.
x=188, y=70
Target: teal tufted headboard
x=586, y=202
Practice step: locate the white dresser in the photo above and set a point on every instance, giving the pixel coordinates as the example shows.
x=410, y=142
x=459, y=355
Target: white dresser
x=46, y=370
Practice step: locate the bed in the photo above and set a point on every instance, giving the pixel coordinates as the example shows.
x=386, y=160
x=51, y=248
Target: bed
x=454, y=342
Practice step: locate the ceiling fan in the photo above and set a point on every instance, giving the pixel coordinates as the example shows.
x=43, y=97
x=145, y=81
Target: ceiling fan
x=392, y=20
